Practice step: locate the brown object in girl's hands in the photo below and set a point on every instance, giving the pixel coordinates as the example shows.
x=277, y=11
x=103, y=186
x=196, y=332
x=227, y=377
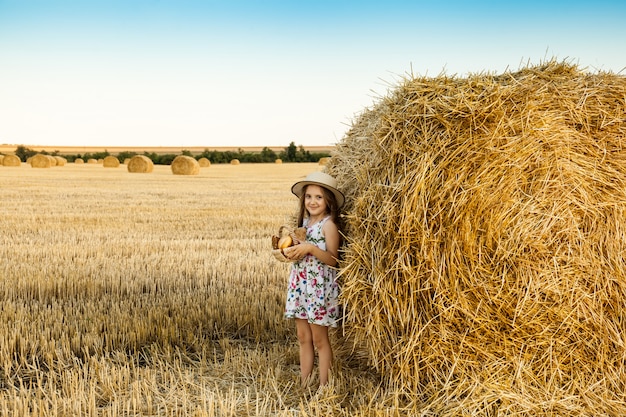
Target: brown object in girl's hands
x=286, y=237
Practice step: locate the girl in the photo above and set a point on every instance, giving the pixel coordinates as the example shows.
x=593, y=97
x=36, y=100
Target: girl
x=312, y=295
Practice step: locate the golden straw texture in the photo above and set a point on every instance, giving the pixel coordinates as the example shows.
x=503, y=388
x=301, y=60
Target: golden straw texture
x=40, y=161
x=185, y=165
x=140, y=164
x=11, y=161
x=110, y=161
x=484, y=268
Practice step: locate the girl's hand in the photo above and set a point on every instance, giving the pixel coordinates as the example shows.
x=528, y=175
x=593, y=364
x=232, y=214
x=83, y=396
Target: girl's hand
x=297, y=252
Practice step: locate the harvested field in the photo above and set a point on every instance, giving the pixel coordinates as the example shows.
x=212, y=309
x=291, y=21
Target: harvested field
x=128, y=295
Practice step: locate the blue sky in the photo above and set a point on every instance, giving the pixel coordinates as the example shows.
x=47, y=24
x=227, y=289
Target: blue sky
x=252, y=73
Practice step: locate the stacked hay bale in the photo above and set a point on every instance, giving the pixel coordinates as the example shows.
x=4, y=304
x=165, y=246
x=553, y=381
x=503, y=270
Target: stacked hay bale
x=110, y=161
x=484, y=270
x=140, y=164
x=11, y=161
x=40, y=161
x=185, y=165
x=204, y=162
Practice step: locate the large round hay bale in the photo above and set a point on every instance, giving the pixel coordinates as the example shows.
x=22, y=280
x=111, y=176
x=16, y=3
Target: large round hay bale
x=60, y=161
x=11, y=161
x=204, y=162
x=234, y=162
x=53, y=161
x=110, y=162
x=484, y=270
x=140, y=164
x=92, y=161
x=278, y=161
x=185, y=165
x=40, y=161
x=79, y=161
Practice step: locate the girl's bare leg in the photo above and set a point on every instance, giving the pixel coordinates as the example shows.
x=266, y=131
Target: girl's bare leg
x=324, y=351
x=307, y=352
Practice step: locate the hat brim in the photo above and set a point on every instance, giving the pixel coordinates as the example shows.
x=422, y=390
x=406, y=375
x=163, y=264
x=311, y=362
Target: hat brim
x=298, y=188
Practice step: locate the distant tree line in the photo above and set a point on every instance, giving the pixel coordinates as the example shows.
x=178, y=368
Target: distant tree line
x=291, y=153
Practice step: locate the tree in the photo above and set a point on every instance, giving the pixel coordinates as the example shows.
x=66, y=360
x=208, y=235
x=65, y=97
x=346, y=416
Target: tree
x=268, y=155
x=303, y=155
x=291, y=152
x=24, y=153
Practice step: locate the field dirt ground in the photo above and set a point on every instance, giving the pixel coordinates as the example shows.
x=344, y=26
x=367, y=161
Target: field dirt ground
x=156, y=295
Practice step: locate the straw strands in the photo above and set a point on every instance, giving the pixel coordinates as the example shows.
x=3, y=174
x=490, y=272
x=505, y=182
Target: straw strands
x=140, y=164
x=41, y=161
x=110, y=161
x=484, y=269
x=11, y=161
x=185, y=165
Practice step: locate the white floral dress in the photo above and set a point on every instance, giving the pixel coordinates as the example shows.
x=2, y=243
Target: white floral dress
x=313, y=291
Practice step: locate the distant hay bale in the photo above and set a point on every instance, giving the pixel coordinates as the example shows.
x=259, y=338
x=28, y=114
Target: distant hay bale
x=61, y=161
x=1, y=158
x=234, y=162
x=53, y=161
x=484, y=268
x=278, y=161
x=92, y=161
x=11, y=161
x=323, y=161
x=100, y=160
x=140, y=164
x=126, y=161
x=185, y=165
x=110, y=162
x=79, y=161
x=40, y=161
x=204, y=162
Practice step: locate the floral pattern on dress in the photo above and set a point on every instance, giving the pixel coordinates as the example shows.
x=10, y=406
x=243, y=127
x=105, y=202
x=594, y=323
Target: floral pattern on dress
x=313, y=291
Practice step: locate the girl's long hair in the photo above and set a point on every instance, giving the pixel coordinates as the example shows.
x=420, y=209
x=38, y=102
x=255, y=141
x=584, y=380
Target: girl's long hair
x=332, y=207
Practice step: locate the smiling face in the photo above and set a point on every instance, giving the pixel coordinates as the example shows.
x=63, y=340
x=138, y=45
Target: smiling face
x=314, y=201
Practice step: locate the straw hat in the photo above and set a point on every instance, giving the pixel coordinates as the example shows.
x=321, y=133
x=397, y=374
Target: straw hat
x=321, y=179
